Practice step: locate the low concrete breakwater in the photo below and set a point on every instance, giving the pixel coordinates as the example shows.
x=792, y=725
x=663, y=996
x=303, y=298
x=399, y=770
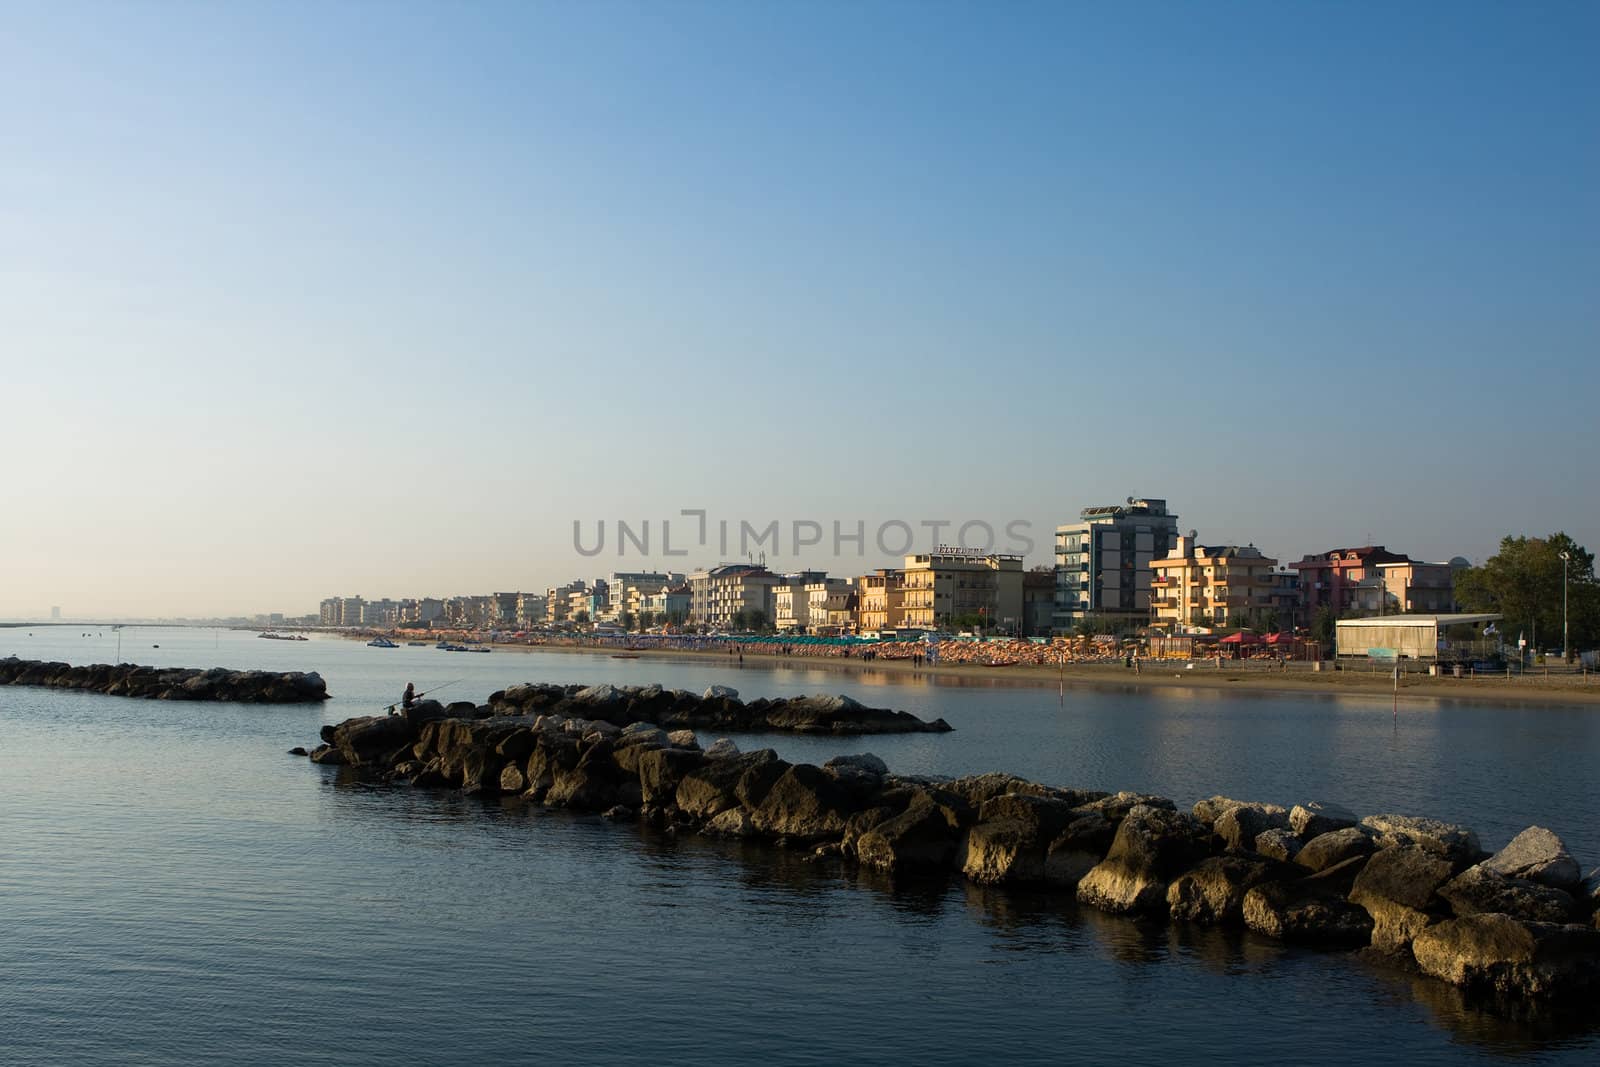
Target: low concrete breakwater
x=1520, y=923
x=168, y=683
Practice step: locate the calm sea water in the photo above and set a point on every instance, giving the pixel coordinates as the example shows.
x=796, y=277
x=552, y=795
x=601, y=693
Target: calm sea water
x=175, y=889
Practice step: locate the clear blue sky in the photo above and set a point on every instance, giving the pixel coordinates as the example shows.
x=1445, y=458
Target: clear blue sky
x=377, y=298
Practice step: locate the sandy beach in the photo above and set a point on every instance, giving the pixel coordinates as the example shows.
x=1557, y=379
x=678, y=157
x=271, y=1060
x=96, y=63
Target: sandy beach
x=1527, y=689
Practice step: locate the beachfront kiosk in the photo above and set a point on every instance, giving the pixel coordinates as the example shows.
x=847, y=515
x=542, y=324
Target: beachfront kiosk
x=1430, y=638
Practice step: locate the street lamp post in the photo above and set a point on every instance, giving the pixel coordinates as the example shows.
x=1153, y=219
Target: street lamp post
x=1566, y=656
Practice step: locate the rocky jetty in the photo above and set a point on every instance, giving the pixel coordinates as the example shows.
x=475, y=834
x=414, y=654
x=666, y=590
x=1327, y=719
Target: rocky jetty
x=716, y=708
x=1521, y=923
x=168, y=683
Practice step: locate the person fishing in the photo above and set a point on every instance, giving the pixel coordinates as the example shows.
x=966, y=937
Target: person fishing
x=410, y=695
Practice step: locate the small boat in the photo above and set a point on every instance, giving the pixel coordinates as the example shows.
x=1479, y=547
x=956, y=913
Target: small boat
x=417, y=644
x=480, y=648
x=270, y=636
x=381, y=642
x=625, y=655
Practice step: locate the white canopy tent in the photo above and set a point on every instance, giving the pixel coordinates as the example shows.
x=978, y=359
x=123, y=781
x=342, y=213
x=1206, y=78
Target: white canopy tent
x=1406, y=636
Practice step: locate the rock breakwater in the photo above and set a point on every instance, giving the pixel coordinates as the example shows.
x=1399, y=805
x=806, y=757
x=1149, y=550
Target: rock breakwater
x=1520, y=923
x=168, y=683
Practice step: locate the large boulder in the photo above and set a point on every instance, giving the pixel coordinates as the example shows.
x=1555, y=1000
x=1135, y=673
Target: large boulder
x=1241, y=824
x=1480, y=889
x=1537, y=855
x=1209, y=810
x=1314, y=818
x=1507, y=955
x=373, y=740
x=1013, y=835
x=806, y=804
x=1455, y=843
x=1335, y=846
x=1399, y=889
x=713, y=785
x=722, y=748
x=922, y=838
x=661, y=769
x=1213, y=890
x=1278, y=844
x=1152, y=846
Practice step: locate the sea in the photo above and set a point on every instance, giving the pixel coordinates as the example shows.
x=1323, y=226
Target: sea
x=176, y=889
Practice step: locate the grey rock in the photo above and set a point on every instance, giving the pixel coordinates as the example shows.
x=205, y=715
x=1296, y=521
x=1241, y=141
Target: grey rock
x=865, y=761
x=1456, y=843
x=1480, y=889
x=1537, y=855
x=722, y=748
x=923, y=837
x=1305, y=911
x=1241, y=824
x=1277, y=844
x=1336, y=846
x=1209, y=810
x=683, y=739
x=1077, y=849
x=720, y=692
x=1314, y=818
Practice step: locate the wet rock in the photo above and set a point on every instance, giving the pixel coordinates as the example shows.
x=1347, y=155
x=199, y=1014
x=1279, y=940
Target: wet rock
x=512, y=779
x=297, y=751
x=620, y=813
x=660, y=770
x=1152, y=846
x=1538, y=855
x=1399, y=890
x=1455, y=843
x=1507, y=955
x=1278, y=844
x=328, y=755
x=734, y=822
x=1213, y=890
x=1480, y=889
x=1335, y=846
x=1314, y=818
x=683, y=739
x=865, y=761
x=722, y=748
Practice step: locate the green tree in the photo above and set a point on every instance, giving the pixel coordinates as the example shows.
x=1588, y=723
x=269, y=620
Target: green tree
x=627, y=620
x=1322, y=625
x=1523, y=582
x=740, y=620
x=757, y=619
x=582, y=618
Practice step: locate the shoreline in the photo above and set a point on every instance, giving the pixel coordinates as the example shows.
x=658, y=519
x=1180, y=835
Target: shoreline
x=1536, y=690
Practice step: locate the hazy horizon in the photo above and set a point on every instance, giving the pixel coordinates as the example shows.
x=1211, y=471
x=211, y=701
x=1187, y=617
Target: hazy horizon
x=310, y=300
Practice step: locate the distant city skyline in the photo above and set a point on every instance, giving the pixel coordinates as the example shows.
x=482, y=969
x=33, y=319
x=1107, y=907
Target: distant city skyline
x=382, y=299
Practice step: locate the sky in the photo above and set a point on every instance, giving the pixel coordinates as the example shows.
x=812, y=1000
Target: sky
x=300, y=300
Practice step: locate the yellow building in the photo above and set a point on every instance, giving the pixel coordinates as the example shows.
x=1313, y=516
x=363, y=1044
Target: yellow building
x=955, y=586
x=1200, y=585
x=880, y=600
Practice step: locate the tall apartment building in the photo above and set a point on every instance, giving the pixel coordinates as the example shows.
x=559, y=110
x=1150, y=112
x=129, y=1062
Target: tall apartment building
x=1103, y=561
x=952, y=583
x=672, y=602
x=880, y=600
x=799, y=600
x=1218, y=585
x=718, y=594
x=1038, y=601
x=1426, y=588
